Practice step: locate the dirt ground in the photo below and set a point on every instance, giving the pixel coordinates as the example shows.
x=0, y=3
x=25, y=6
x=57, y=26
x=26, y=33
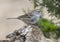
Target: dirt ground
x=9, y=9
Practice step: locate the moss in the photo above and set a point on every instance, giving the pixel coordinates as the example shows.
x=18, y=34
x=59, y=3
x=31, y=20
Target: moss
x=48, y=28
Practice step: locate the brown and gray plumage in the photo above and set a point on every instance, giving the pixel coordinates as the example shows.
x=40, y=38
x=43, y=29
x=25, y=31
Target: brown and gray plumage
x=30, y=18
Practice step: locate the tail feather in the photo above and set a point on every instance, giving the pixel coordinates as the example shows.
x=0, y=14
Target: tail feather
x=12, y=18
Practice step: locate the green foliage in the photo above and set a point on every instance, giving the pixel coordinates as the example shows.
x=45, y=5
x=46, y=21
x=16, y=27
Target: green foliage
x=46, y=25
x=48, y=28
x=52, y=5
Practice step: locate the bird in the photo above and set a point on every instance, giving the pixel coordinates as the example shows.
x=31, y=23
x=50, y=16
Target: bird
x=30, y=18
x=36, y=16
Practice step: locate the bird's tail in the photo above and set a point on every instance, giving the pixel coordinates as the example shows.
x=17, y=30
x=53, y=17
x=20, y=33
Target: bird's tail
x=12, y=18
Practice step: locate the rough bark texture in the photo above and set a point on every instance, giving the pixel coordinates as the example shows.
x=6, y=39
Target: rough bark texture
x=27, y=34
